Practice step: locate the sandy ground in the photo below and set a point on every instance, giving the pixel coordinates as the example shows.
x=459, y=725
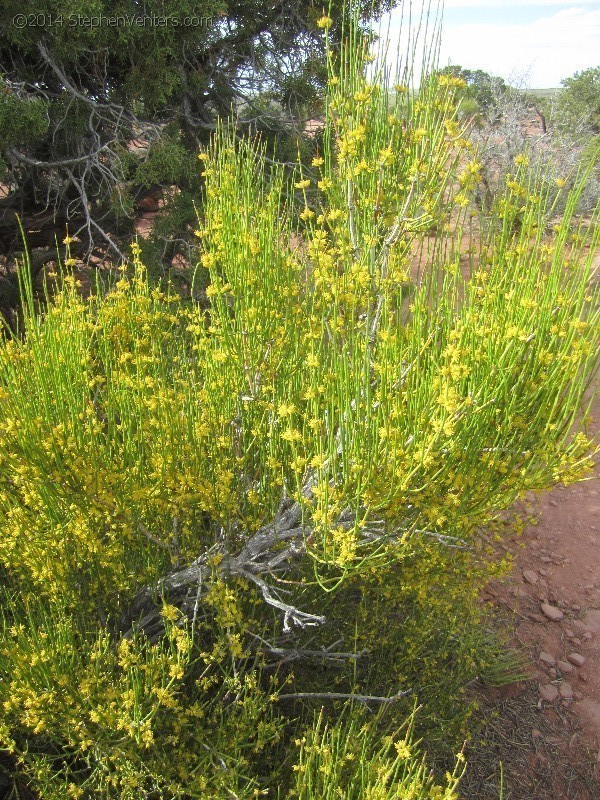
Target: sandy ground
x=546, y=731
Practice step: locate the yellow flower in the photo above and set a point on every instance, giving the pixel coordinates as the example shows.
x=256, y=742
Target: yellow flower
x=303, y=184
x=170, y=612
x=176, y=671
x=291, y=435
x=402, y=749
x=286, y=410
x=317, y=461
x=324, y=22
x=317, y=161
x=386, y=156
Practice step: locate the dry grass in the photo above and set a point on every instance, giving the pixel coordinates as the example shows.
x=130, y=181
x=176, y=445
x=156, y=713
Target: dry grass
x=549, y=764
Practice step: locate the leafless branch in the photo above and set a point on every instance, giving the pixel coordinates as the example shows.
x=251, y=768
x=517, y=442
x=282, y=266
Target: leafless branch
x=360, y=698
x=275, y=547
x=286, y=654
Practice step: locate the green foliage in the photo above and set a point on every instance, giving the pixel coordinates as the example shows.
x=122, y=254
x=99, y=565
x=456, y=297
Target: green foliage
x=481, y=91
x=149, y=443
x=85, y=715
x=350, y=760
x=82, y=79
x=579, y=102
x=167, y=161
x=23, y=120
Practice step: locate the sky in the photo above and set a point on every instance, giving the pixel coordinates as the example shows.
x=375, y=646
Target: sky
x=531, y=43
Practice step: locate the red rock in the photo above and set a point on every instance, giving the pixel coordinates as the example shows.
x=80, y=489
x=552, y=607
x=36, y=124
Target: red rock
x=589, y=709
x=577, y=659
x=566, y=691
x=564, y=666
x=591, y=620
x=552, y=612
x=547, y=658
x=536, y=618
x=549, y=693
x=530, y=576
x=148, y=203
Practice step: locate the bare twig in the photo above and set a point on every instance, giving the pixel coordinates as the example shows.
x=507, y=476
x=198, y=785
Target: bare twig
x=360, y=698
x=286, y=654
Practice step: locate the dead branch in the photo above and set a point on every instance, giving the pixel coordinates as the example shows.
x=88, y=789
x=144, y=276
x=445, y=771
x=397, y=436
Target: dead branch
x=275, y=547
x=360, y=698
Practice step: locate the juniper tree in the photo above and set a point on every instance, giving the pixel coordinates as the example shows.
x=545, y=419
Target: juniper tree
x=105, y=103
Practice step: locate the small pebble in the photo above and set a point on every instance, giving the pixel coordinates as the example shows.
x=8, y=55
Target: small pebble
x=564, y=666
x=530, y=576
x=547, y=658
x=569, y=633
x=566, y=691
x=537, y=617
x=549, y=693
x=551, y=612
x=577, y=659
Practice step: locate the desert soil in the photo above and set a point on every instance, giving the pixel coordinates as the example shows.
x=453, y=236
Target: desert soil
x=546, y=730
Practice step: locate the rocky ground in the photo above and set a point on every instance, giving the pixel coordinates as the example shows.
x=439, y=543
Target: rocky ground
x=546, y=730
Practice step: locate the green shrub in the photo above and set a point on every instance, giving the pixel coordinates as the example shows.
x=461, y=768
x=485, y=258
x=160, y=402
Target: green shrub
x=177, y=482
x=349, y=760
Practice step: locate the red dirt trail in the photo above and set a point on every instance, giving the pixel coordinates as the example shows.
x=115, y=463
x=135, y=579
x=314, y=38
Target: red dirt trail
x=553, y=597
